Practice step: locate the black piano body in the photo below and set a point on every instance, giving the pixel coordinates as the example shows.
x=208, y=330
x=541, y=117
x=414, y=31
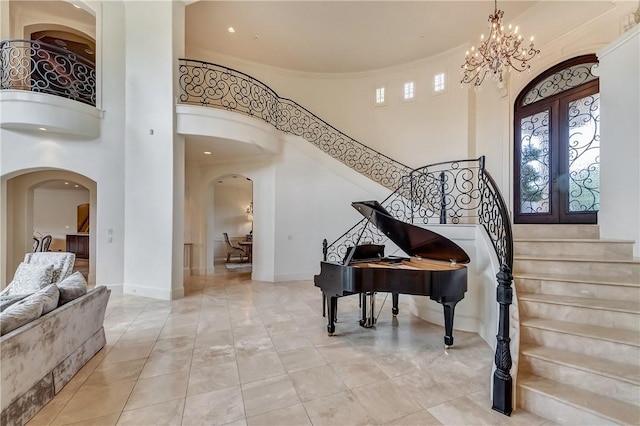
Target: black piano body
x=435, y=269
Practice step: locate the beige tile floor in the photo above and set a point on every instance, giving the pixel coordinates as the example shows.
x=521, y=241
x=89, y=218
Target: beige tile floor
x=239, y=352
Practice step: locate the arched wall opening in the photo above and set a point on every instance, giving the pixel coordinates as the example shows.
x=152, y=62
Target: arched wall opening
x=229, y=209
x=18, y=212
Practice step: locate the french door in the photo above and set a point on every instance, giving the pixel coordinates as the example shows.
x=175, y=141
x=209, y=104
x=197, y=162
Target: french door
x=557, y=148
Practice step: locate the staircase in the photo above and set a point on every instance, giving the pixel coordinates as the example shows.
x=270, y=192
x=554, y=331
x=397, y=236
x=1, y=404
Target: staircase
x=579, y=302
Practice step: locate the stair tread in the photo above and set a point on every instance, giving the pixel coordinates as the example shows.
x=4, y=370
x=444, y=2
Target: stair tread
x=600, y=405
x=571, y=240
x=577, y=258
x=627, y=337
x=629, y=306
x=587, y=279
x=629, y=373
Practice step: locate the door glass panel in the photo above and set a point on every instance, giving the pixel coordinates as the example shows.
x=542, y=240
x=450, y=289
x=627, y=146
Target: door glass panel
x=584, y=154
x=534, y=163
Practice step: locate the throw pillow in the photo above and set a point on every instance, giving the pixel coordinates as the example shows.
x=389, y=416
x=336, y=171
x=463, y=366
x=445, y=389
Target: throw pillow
x=6, y=301
x=71, y=288
x=50, y=295
x=20, y=314
x=29, y=278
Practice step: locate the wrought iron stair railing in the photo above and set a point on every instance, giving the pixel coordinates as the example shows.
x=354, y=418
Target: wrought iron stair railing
x=40, y=67
x=211, y=85
x=450, y=192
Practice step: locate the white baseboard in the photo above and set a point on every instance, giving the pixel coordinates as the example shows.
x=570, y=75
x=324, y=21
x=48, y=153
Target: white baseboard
x=115, y=288
x=177, y=293
x=154, y=293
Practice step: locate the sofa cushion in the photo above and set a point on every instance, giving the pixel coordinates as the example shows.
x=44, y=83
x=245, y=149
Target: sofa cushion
x=6, y=301
x=50, y=295
x=20, y=314
x=71, y=288
x=29, y=278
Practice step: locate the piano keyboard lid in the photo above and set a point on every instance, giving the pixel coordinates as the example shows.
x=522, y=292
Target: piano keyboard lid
x=412, y=239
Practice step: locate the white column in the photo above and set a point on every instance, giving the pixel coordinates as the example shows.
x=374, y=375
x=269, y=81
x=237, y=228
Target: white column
x=5, y=22
x=154, y=153
x=620, y=135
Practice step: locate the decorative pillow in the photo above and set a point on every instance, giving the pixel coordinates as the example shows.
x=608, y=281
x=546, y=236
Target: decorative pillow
x=29, y=278
x=71, y=288
x=50, y=295
x=6, y=301
x=20, y=314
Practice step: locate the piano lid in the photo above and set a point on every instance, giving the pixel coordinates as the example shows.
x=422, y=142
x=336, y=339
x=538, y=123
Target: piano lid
x=413, y=240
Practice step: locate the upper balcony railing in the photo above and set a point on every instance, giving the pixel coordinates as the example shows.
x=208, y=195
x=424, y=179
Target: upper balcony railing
x=211, y=85
x=40, y=67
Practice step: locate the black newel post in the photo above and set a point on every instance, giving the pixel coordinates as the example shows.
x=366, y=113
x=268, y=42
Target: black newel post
x=325, y=249
x=502, y=382
x=443, y=201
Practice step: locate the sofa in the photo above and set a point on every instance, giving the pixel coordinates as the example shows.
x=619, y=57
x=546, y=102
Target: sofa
x=40, y=357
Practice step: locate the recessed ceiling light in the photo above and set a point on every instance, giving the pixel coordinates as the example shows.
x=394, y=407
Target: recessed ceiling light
x=42, y=128
x=66, y=183
x=76, y=186
x=207, y=153
x=231, y=30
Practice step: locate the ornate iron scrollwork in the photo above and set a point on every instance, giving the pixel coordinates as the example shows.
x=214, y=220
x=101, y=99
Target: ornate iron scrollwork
x=45, y=68
x=207, y=84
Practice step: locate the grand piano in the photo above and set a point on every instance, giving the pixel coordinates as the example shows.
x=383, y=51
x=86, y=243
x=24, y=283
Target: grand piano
x=434, y=268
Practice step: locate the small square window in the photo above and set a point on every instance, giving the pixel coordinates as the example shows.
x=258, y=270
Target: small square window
x=439, y=83
x=381, y=96
x=409, y=91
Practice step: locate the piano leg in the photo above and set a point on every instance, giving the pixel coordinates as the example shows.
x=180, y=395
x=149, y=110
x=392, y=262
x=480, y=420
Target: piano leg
x=449, y=308
x=394, y=309
x=331, y=315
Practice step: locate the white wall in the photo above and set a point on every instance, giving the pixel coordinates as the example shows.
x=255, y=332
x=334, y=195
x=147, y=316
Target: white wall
x=619, y=215
x=55, y=213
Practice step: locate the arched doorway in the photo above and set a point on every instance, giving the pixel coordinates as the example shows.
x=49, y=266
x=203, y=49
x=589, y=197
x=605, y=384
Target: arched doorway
x=231, y=213
x=45, y=202
x=557, y=145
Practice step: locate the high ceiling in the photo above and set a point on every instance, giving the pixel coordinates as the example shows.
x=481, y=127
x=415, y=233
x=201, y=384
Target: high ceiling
x=338, y=36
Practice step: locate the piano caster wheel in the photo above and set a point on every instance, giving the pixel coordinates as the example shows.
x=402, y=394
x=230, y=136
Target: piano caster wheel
x=447, y=346
x=394, y=312
x=329, y=334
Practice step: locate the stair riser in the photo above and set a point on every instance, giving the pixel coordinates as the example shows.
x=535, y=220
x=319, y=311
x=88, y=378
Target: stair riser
x=599, y=348
x=588, y=381
x=556, y=411
x=618, y=320
x=605, y=250
x=629, y=271
x=563, y=288
x=556, y=231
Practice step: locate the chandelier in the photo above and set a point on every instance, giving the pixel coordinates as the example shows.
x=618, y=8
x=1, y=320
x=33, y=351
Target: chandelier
x=497, y=54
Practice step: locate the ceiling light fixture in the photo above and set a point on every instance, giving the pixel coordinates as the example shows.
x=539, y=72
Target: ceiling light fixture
x=497, y=54
x=207, y=153
x=42, y=128
x=231, y=30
